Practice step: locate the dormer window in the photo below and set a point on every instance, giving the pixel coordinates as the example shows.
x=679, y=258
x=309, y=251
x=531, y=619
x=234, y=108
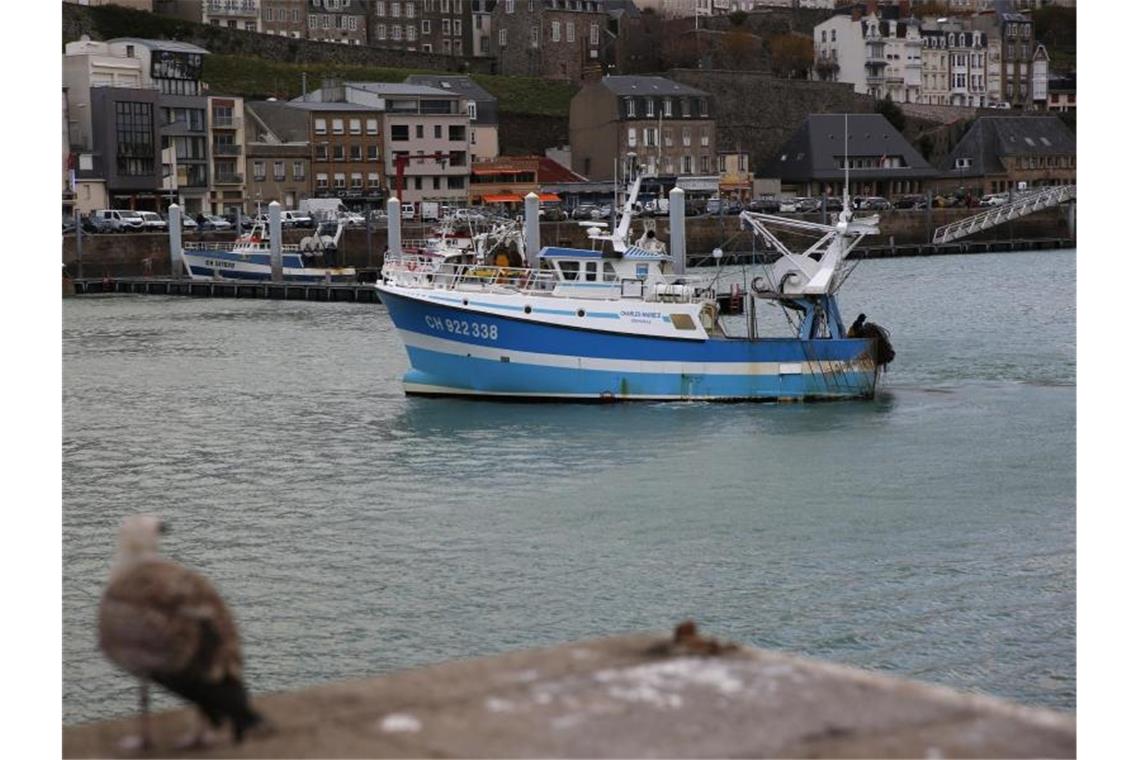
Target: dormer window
x=630, y=108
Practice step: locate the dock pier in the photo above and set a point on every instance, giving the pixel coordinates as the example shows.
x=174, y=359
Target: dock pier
x=627, y=696
x=168, y=286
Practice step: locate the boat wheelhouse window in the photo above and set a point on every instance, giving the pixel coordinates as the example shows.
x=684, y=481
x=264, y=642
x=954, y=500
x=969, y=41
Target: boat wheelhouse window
x=569, y=269
x=591, y=271
x=683, y=322
x=608, y=271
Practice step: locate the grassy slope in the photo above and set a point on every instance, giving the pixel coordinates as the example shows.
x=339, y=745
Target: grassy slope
x=259, y=78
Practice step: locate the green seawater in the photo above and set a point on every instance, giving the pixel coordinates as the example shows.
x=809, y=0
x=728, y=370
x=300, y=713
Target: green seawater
x=929, y=533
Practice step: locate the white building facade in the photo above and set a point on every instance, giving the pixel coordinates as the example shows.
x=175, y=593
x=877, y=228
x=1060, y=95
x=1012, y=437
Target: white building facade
x=880, y=57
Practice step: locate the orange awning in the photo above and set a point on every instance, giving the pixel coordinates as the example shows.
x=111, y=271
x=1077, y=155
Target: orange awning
x=549, y=197
x=504, y=198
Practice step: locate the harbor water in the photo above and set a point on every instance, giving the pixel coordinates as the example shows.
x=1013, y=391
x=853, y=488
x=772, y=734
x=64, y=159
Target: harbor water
x=929, y=533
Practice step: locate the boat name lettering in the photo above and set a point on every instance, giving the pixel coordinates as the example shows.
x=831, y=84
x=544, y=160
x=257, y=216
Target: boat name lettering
x=220, y=264
x=642, y=314
x=463, y=327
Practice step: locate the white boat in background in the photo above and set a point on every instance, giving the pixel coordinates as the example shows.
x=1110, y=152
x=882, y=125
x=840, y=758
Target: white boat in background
x=248, y=258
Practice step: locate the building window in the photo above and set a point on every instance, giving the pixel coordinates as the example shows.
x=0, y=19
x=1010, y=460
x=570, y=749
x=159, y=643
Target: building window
x=722, y=164
x=630, y=108
x=373, y=152
x=704, y=164
x=354, y=152
x=399, y=133
x=569, y=31
x=456, y=133
x=134, y=128
x=354, y=126
x=534, y=36
x=338, y=180
x=633, y=137
x=510, y=6
x=650, y=137
x=373, y=180
x=397, y=32
x=555, y=31
x=322, y=152
x=686, y=137
x=370, y=126
x=322, y=181
x=338, y=153
x=649, y=107
x=668, y=108
x=319, y=126
x=381, y=32
x=594, y=34
x=357, y=180
x=298, y=170
x=279, y=171
x=686, y=164
x=338, y=126
x=425, y=26
x=446, y=23
x=503, y=36
x=410, y=32
x=379, y=7
x=667, y=136
x=258, y=171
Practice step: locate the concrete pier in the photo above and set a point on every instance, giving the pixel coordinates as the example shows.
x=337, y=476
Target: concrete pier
x=628, y=696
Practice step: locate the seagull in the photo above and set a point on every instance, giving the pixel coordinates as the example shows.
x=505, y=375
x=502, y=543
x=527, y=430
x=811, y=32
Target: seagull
x=166, y=624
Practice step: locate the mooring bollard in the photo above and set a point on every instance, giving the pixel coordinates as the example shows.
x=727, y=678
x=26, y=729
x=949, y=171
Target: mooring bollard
x=677, y=228
x=174, y=229
x=395, y=246
x=276, y=272
x=533, y=231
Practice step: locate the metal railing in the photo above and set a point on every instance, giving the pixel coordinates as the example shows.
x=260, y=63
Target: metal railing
x=425, y=272
x=227, y=149
x=1026, y=203
x=221, y=178
x=258, y=247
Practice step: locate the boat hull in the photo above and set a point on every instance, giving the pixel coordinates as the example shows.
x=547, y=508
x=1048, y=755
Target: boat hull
x=462, y=351
x=229, y=265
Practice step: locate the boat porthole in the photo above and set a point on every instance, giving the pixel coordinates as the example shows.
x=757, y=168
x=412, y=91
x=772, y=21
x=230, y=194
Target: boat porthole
x=464, y=301
x=581, y=313
x=526, y=309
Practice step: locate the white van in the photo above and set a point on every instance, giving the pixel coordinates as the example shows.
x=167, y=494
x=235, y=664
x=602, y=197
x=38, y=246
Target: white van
x=117, y=220
x=152, y=222
x=408, y=211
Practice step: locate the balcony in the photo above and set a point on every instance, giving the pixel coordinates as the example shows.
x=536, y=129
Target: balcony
x=223, y=178
x=227, y=149
x=232, y=8
x=227, y=122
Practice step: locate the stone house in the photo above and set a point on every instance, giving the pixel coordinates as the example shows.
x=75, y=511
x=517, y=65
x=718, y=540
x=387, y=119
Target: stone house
x=670, y=127
x=553, y=39
x=879, y=160
x=1000, y=152
x=278, y=155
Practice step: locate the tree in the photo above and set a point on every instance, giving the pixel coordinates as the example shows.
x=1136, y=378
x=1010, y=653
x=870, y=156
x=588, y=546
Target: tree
x=792, y=55
x=891, y=113
x=736, y=18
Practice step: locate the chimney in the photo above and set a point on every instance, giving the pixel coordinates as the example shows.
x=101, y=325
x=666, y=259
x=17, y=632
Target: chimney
x=873, y=8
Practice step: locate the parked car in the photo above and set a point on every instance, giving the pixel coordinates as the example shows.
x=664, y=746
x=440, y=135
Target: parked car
x=68, y=224
x=408, y=211
x=910, y=201
x=995, y=199
x=352, y=218
x=713, y=205
x=764, y=204
x=235, y=217
x=834, y=203
x=602, y=212
x=875, y=203
x=211, y=222
x=552, y=212
x=805, y=205
x=189, y=222
x=116, y=220
x=788, y=205
x=583, y=211
x=152, y=222
x=297, y=219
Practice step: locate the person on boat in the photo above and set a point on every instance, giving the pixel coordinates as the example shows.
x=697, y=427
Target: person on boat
x=856, y=329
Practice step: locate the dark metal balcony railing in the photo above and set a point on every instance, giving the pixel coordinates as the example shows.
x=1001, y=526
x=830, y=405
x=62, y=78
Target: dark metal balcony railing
x=222, y=178
x=227, y=149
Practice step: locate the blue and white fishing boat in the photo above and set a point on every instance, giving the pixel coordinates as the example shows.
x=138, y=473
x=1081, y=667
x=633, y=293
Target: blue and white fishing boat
x=618, y=322
x=248, y=258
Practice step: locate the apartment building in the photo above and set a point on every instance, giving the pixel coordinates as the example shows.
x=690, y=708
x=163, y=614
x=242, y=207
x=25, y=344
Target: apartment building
x=285, y=18
x=343, y=21
x=233, y=14
x=1013, y=33
x=445, y=27
x=481, y=46
x=407, y=135
x=482, y=110
x=126, y=147
x=395, y=24
x=670, y=127
x=278, y=155
x=553, y=39
x=955, y=65
x=878, y=50
x=227, y=148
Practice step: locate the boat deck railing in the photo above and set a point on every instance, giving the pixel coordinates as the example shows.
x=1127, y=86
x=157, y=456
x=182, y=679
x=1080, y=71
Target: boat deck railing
x=426, y=272
x=261, y=247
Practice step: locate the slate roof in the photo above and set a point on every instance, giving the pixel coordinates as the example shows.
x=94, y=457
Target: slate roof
x=646, y=85
x=487, y=105
x=287, y=122
x=172, y=45
x=811, y=152
x=993, y=137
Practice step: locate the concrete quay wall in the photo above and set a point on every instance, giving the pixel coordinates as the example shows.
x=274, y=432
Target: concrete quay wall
x=142, y=254
x=628, y=696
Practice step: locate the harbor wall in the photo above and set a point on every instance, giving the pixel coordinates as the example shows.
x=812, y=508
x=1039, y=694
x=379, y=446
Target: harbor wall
x=625, y=696
x=142, y=254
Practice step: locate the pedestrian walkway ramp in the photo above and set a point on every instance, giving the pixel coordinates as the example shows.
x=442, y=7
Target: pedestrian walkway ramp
x=1022, y=205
